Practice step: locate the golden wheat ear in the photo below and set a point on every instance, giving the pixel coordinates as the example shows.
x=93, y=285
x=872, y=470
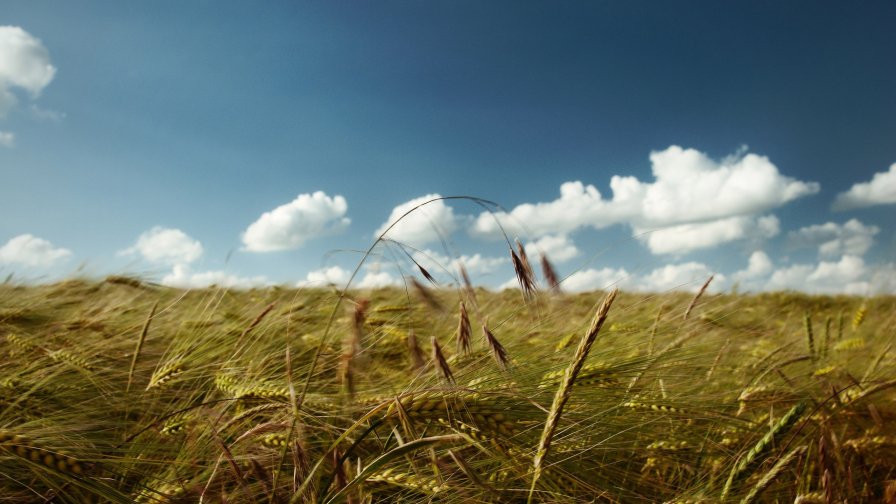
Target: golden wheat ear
x=565, y=390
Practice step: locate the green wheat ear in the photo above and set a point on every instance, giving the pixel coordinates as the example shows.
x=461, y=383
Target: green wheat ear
x=752, y=458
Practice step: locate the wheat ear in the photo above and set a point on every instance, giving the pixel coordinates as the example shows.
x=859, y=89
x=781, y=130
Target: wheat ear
x=565, y=390
x=697, y=297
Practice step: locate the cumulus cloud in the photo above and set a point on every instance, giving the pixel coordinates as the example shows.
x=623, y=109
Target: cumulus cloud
x=759, y=266
x=847, y=275
x=688, y=276
x=166, y=246
x=29, y=250
x=558, y=248
x=289, y=226
x=183, y=277
x=881, y=280
x=685, y=238
x=475, y=264
x=826, y=277
x=689, y=188
x=24, y=64
x=377, y=279
x=692, y=187
x=424, y=225
x=881, y=190
x=373, y=278
x=596, y=279
x=578, y=206
x=7, y=139
x=834, y=240
x=333, y=275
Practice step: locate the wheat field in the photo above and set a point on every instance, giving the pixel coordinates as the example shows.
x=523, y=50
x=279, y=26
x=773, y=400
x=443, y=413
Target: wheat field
x=125, y=391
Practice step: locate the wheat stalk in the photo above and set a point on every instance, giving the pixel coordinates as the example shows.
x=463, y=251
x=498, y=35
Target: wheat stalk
x=140, y=341
x=565, y=390
x=752, y=458
x=773, y=473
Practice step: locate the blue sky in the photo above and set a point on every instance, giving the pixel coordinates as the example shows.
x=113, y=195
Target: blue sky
x=238, y=143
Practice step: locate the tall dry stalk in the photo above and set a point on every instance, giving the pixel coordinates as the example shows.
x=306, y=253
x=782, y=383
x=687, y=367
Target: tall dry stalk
x=565, y=390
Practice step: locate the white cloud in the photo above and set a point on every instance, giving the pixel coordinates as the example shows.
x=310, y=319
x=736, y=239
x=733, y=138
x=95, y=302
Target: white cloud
x=689, y=188
x=688, y=276
x=424, y=225
x=377, y=279
x=558, y=248
x=24, y=63
x=685, y=238
x=511, y=283
x=578, y=206
x=373, y=278
x=166, y=246
x=759, y=265
x=476, y=264
x=325, y=276
x=834, y=240
x=882, y=280
x=183, y=277
x=289, y=226
x=29, y=250
x=846, y=275
x=42, y=114
x=596, y=279
x=881, y=190
x=7, y=139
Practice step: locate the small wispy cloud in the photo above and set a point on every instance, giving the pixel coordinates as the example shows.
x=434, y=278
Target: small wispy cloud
x=42, y=114
x=7, y=139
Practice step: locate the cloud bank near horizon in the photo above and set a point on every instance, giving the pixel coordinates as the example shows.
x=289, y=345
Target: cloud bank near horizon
x=693, y=203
